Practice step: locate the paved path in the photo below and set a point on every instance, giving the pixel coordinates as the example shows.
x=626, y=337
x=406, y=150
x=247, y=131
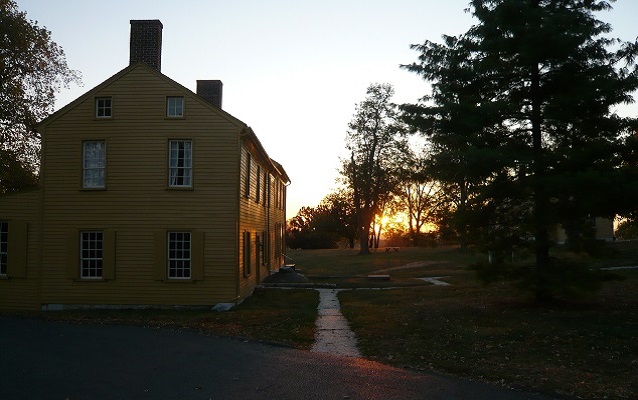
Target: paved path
x=416, y=264
x=333, y=334
x=618, y=268
x=436, y=280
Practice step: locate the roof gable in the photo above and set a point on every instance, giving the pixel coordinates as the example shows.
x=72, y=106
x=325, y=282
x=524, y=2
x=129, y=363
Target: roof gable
x=243, y=129
x=136, y=67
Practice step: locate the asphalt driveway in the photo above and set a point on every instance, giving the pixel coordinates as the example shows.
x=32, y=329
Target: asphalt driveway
x=48, y=360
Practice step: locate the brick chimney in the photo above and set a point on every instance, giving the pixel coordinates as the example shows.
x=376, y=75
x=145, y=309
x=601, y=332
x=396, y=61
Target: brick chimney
x=146, y=42
x=211, y=91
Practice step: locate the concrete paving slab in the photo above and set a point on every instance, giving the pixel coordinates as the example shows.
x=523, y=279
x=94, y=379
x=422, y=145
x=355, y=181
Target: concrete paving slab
x=329, y=311
x=333, y=322
x=337, y=335
x=333, y=333
x=336, y=345
x=436, y=280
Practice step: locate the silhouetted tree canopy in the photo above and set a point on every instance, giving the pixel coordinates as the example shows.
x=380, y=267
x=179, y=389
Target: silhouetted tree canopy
x=376, y=143
x=310, y=229
x=417, y=196
x=33, y=69
x=522, y=116
x=324, y=226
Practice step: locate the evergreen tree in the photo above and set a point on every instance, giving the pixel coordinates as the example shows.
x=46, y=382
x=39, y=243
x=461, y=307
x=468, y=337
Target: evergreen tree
x=526, y=99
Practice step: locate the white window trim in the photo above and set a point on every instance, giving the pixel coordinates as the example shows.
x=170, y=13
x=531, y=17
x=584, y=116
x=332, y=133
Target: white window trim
x=186, y=170
x=98, y=107
x=181, y=257
x=172, y=108
x=85, y=168
x=90, y=259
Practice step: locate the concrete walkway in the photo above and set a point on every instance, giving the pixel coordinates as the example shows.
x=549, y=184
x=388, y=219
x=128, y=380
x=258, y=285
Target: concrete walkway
x=333, y=334
x=416, y=264
x=436, y=280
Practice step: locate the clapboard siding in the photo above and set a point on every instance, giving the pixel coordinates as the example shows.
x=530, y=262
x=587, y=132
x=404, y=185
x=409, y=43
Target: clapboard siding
x=21, y=292
x=258, y=218
x=137, y=207
x=137, y=202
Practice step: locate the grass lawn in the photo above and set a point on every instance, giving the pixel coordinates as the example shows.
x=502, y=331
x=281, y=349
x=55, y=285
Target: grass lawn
x=282, y=316
x=492, y=333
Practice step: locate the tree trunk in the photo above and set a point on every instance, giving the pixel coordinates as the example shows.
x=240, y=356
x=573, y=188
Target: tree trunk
x=364, y=232
x=541, y=203
x=364, y=244
x=462, y=211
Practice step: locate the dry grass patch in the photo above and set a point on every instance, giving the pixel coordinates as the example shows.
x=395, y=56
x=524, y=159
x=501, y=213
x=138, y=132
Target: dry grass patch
x=493, y=334
x=282, y=316
x=347, y=262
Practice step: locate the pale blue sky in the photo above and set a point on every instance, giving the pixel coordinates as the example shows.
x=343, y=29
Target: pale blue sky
x=292, y=70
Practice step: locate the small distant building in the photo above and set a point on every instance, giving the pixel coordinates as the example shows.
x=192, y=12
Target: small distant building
x=150, y=194
x=603, y=228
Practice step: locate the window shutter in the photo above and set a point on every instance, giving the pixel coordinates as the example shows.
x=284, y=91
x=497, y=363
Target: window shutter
x=264, y=258
x=248, y=168
x=258, y=189
x=72, y=255
x=197, y=256
x=17, y=250
x=108, y=261
x=257, y=251
x=246, y=244
x=159, y=270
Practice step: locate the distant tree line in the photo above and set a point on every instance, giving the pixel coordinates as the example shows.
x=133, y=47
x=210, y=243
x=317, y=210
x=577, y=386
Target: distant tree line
x=324, y=226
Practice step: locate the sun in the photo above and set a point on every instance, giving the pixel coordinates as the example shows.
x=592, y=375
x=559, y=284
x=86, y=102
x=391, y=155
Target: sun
x=401, y=221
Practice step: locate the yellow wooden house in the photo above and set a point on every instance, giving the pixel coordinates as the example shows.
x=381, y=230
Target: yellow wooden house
x=150, y=195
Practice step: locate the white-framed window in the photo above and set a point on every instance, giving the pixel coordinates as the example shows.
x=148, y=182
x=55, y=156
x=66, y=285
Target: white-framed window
x=103, y=107
x=180, y=163
x=4, y=246
x=93, y=164
x=175, y=106
x=91, y=254
x=179, y=255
